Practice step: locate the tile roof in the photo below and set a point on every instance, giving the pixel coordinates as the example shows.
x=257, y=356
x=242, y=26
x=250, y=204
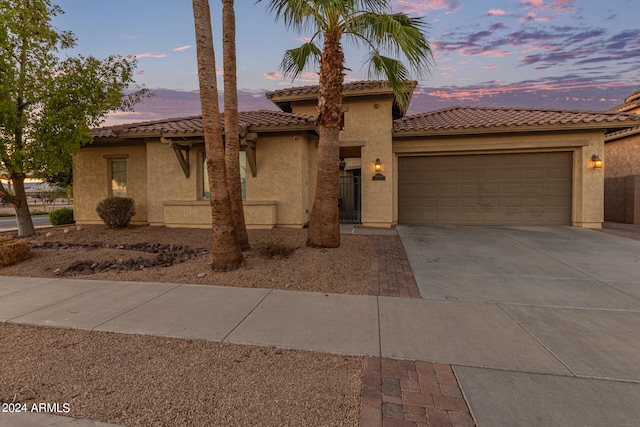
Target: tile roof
x=193, y=124
x=612, y=136
x=348, y=87
x=630, y=102
x=478, y=118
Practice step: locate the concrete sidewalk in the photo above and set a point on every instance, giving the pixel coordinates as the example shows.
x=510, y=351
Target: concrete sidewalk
x=344, y=324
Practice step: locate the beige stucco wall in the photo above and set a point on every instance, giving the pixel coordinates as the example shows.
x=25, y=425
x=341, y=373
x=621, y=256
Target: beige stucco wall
x=197, y=214
x=282, y=162
x=368, y=123
x=588, y=183
x=278, y=196
x=92, y=181
x=167, y=181
x=622, y=157
x=622, y=183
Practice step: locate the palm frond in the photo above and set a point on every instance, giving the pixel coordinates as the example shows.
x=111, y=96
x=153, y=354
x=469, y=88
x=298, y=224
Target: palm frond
x=397, y=35
x=299, y=15
x=295, y=60
x=392, y=70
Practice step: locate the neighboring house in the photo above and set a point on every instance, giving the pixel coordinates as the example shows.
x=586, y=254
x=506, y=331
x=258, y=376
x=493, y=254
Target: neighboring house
x=622, y=171
x=460, y=165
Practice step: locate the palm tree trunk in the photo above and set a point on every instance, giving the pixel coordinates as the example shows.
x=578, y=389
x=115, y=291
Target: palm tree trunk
x=231, y=131
x=19, y=201
x=226, y=252
x=324, y=223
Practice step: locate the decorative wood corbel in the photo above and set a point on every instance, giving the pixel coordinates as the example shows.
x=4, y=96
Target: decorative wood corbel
x=248, y=142
x=182, y=153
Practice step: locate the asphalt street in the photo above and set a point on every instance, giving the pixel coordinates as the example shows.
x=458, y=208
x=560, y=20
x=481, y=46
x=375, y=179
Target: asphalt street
x=9, y=222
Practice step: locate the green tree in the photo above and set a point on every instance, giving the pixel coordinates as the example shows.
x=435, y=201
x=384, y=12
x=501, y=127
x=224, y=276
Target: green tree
x=367, y=23
x=49, y=104
x=226, y=251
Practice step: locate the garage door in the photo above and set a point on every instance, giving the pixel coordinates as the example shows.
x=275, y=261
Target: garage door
x=496, y=189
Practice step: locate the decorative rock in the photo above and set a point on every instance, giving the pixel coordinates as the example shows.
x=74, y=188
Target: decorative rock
x=79, y=228
x=166, y=255
x=201, y=275
x=48, y=234
x=65, y=230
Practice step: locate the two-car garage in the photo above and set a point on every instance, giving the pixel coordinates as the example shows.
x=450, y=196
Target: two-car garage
x=501, y=166
x=486, y=189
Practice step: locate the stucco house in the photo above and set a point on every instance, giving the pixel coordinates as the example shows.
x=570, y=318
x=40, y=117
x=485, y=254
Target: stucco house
x=459, y=165
x=622, y=173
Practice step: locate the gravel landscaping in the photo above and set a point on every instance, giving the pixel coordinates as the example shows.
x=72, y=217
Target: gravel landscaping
x=278, y=259
x=147, y=380
x=144, y=380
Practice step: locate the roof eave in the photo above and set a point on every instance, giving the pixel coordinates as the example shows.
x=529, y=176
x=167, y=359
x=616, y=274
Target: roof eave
x=602, y=126
x=622, y=134
x=133, y=136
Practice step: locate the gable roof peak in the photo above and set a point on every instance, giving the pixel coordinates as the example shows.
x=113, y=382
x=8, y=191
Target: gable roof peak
x=283, y=98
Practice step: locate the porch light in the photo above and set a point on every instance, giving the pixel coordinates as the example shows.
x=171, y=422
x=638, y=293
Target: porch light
x=378, y=168
x=596, y=161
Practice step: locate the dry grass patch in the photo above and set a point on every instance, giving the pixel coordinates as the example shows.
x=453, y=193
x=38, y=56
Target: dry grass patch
x=273, y=249
x=13, y=251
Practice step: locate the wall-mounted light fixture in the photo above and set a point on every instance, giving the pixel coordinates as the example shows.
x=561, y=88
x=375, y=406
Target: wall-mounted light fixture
x=377, y=166
x=596, y=162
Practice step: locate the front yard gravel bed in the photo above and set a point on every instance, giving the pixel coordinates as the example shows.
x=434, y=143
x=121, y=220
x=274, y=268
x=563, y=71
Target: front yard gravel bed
x=146, y=380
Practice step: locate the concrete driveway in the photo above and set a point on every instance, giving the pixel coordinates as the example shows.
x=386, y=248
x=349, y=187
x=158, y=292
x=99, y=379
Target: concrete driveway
x=541, y=324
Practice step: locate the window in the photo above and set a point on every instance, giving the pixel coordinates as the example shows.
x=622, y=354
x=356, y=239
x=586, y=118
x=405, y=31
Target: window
x=243, y=175
x=118, y=178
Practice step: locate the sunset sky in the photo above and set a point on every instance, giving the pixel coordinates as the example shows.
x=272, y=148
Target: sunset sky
x=569, y=54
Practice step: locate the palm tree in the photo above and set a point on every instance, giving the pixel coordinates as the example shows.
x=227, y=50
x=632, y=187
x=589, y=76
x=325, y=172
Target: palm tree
x=226, y=252
x=231, y=131
x=367, y=23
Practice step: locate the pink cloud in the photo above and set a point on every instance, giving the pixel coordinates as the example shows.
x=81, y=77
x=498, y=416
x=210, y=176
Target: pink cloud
x=496, y=12
x=306, y=77
x=476, y=93
x=532, y=17
x=420, y=7
x=182, y=48
x=552, y=6
x=150, y=55
x=129, y=37
x=141, y=73
x=490, y=66
x=273, y=75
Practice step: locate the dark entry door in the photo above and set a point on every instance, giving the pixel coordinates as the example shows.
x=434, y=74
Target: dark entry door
x=349, y=199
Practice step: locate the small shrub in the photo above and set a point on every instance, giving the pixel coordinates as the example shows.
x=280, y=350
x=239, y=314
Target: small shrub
x=116, y=212
x=13, y=251
x=271, y=249
x=61, y=216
